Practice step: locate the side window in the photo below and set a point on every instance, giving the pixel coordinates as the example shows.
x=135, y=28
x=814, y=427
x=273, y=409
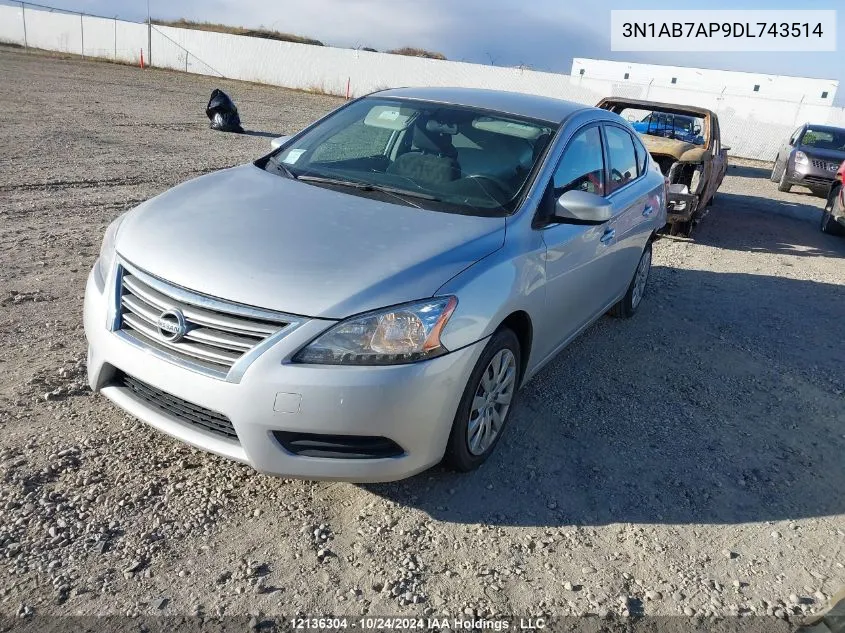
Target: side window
x=717, y=138
x=642, y=156
x=582, y=165
x=621, y=157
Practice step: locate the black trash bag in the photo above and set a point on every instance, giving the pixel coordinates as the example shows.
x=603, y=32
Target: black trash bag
x=223, y=113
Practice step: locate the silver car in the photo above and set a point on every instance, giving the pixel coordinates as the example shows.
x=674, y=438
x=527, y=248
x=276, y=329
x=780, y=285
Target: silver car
x=369, y=297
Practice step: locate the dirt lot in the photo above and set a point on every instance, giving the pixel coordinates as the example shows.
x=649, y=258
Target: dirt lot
x=689, y=460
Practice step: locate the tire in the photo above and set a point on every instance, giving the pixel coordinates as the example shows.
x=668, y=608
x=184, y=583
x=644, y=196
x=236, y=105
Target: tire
x=459, y=454
x=630, y=303
x=774, y=176
x=783, y=184
x=828, y=224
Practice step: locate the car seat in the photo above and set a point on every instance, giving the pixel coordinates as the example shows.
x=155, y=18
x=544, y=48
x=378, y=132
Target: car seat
x=432, y=159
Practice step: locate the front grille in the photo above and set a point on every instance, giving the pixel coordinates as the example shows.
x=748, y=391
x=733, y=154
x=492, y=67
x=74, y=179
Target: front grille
x=176, y=407
x=216, y=333
x=821, y=164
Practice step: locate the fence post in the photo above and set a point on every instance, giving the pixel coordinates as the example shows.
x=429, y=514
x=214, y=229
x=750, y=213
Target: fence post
x=82, y=36
x=186, y=60
x=23, y=17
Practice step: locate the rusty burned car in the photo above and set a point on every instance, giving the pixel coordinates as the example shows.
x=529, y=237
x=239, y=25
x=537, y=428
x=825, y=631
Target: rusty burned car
x=686, y=142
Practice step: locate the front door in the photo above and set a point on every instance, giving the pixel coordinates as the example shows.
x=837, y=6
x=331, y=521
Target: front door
x=578, y=266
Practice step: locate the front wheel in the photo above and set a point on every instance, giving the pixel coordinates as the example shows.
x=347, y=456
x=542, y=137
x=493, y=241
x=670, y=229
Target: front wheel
x=774, y=177
x=486, y=403
x=783, y=183
x=627, y=306
x=829, y=224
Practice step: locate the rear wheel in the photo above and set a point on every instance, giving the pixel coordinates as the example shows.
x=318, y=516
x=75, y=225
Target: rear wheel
x=486, y=403
x=627, y=306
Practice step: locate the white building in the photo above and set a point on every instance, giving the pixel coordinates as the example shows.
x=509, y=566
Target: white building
x=781, y=87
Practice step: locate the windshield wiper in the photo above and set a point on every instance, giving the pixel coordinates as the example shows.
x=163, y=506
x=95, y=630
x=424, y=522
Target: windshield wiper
x=282, y=168
x=402, y=194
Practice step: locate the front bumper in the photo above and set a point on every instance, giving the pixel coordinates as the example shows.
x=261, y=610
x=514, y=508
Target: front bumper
x=808, y=175
x=412, y=405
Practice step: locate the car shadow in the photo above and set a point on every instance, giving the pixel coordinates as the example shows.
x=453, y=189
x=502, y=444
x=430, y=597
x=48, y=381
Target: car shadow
x=748, y=171
x=717, y=403
x=264, y=134
x=753, y=224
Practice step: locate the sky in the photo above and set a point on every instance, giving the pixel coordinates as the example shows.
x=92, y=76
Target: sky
x=540, y=34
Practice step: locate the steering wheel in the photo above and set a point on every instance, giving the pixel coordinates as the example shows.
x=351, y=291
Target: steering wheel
x=617, y=175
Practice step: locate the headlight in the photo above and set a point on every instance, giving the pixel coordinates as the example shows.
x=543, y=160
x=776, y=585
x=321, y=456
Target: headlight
x=107, y=252
x=801, y=158
x=401, y=334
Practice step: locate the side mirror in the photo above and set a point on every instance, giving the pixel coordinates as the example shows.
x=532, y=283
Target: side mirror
x=277, y=142
x=583, y=206
x=726, y=148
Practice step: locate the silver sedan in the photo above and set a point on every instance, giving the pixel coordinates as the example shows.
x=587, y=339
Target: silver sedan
x=369, y=297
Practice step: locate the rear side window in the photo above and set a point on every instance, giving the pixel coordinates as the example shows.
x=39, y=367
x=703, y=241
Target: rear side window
x=622, y=157
x=642, y=156
x=582, y=165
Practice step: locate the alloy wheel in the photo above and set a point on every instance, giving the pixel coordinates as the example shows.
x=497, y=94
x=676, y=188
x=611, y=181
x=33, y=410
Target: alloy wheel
x=491, y=402
x=641, y=278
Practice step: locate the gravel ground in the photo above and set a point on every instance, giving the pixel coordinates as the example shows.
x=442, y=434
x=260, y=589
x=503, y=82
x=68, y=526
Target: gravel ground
x=688, y=461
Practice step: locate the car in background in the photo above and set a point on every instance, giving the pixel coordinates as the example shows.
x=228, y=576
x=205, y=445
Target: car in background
x=833, y=215
x=369, y=296
x=810, y=157
x=686, y=142
x=675, y=126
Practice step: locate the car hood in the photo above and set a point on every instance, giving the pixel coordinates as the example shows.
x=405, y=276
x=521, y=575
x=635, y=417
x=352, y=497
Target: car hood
x=252, y=237
x=832, y=155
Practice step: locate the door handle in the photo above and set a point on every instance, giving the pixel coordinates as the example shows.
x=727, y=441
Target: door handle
x=608, y=236
x=648, y=210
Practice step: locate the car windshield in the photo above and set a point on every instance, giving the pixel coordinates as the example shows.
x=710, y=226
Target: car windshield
x=682, y=127
x=824, y=138
x=443, y=157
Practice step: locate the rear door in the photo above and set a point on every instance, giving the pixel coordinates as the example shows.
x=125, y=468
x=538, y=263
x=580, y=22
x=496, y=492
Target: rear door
x=633, y=204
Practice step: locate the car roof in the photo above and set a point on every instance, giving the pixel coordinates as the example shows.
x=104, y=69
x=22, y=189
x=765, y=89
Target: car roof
x=825, y=128
x=657, y=106
x=517, y=103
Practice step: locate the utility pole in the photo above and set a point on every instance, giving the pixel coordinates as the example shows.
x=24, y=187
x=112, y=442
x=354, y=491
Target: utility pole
x=149, y=36
x=23, y=17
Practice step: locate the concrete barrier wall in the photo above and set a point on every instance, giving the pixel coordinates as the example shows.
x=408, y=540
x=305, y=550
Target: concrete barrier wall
x=753, y=127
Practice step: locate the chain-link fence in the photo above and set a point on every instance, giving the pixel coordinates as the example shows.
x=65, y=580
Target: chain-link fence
x=74, y=32
x=753, y=127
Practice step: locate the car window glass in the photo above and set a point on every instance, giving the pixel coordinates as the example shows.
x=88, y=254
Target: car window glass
x=446, y=157
x=824, y=138
x=356, y=141
x=622, y=159
x=581, y=167
x=642, y=155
